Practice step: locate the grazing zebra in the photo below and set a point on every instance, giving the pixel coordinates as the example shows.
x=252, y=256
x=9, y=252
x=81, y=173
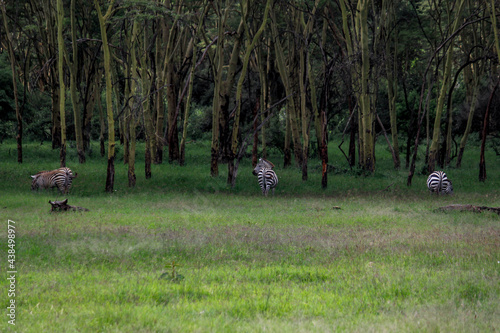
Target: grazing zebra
x=60, y=178
x=266, y=176
x=439, y=183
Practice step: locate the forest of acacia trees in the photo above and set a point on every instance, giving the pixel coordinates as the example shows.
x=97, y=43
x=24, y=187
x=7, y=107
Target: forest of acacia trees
x=265, y=73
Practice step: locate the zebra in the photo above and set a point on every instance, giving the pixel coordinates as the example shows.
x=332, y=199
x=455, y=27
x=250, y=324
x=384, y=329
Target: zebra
x=439, y=183
x=266, y=176
x=60, y=178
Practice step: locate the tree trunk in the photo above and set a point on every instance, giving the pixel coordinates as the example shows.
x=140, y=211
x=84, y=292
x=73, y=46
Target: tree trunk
x=62, y=88
x=391, y=70
x=73, y=66
x=232, y=172
x=444, y=88
x=110, y=175
x=187, y=107
x=102, y=127
x=361, y=77
x=293, y=116
x=255, y=145
x=19, y=113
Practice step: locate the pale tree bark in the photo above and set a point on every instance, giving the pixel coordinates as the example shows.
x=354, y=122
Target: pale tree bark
x=293, y=116
x=444, y=88
x=103, y=19
x=221, y=137
x=358, y=42
x=366, y=109
x=232, y=169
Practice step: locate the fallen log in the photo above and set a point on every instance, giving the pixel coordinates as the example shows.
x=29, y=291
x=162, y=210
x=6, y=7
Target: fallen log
x=470, y=208
x=62, y=206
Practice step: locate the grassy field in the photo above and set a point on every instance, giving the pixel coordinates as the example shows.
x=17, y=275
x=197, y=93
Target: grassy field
x=387, y=261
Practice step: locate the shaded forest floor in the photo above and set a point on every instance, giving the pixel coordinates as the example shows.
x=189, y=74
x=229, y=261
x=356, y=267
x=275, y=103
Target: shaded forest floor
x=385, y=261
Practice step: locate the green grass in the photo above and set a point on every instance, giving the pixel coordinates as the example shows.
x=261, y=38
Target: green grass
x=385, y=262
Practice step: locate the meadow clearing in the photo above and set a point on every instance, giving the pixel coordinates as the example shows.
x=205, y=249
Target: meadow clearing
x=386, y=261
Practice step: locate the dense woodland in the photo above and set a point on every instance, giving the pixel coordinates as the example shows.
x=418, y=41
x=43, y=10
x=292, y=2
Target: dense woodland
x=252, y=74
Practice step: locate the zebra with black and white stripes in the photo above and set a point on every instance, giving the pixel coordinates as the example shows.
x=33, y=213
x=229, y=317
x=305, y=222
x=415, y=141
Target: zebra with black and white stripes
x=439, y=183
x=60, y=178
x=266, y=176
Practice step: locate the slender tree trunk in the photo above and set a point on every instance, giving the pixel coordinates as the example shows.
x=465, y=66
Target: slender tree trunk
x=263, y=68
x=239, y=87
x=102, y=123
x=256, y=133
x=56, y=117
x=73, y=89
x=293, y=116
x=304, y=111
x=361, y=78
x=187, y=107
x=146, y=84
x=62, y=88
x=367, y=115
x=391, y=70
x=444, y=88
x=19, y=113
x=110, y=175
x=473, y=84
x=217, y=70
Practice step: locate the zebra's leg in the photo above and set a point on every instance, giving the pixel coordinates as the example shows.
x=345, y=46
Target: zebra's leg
x=62, y=189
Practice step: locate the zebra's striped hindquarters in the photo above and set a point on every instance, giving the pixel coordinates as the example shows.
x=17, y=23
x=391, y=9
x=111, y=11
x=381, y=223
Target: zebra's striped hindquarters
x=266, y=176
x=438, y=182
x=60, y=178
x=267, y=180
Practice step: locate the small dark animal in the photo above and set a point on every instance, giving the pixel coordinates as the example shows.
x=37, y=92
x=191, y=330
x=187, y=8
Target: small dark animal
x=63, y=206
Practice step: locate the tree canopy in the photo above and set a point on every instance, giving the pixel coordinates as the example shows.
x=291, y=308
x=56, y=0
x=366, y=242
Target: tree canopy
x=269, y=73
